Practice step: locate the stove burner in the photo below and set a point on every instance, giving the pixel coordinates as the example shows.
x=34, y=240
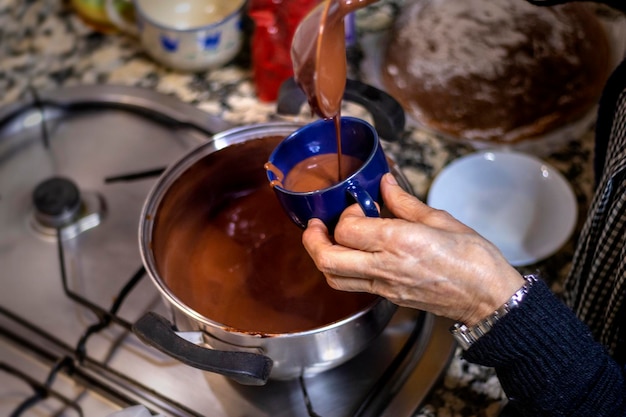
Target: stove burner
x=61, y=208
x=57, y=202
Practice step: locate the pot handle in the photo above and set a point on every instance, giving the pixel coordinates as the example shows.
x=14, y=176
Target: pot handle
x=388, y=114
x=244, y=367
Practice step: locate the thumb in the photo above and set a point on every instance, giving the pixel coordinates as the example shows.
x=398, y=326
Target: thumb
x=401, y=204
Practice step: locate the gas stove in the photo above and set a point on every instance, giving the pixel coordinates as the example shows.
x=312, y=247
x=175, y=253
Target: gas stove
x=76, y=166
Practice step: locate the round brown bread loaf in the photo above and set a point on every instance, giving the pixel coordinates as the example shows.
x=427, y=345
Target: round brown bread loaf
x=495, y=70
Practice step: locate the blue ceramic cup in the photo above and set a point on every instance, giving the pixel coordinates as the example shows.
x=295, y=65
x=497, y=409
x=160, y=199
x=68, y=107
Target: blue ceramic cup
x=358, y=139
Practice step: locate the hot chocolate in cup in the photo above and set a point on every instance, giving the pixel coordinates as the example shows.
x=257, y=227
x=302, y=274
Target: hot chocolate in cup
x=304, y=170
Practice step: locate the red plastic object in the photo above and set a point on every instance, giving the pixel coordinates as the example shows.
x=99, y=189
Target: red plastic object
x=275, y=23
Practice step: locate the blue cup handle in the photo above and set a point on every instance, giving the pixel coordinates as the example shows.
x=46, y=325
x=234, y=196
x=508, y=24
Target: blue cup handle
x=364, y=199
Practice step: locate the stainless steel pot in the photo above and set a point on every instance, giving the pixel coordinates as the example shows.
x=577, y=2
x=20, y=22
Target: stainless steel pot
x=247, y=357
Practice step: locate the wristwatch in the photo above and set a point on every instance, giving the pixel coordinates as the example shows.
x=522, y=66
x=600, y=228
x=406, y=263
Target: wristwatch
x=467, y=336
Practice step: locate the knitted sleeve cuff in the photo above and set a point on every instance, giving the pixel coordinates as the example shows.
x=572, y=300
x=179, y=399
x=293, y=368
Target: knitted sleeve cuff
x=547, y=359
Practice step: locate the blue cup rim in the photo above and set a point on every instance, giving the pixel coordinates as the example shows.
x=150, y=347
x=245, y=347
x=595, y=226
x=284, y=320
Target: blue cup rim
x=349, y=179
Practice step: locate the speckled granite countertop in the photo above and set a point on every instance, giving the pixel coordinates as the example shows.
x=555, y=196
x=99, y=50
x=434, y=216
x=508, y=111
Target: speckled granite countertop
x=45, y=45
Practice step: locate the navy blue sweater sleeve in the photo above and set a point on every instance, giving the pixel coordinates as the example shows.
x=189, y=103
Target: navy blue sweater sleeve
x=549, y=364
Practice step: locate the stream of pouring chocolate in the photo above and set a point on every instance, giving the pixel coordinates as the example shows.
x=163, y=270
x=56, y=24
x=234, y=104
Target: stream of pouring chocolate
x=318, y=53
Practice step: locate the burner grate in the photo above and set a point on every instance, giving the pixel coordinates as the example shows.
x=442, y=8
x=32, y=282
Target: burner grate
x=42, y=391
x=92, y=374
x=76, y=362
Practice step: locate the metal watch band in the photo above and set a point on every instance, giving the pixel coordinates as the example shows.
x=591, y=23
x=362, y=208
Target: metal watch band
x=467, y=336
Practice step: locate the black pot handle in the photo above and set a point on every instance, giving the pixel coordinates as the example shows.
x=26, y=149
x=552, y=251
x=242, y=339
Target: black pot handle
x=388, y=114
x=244, y=367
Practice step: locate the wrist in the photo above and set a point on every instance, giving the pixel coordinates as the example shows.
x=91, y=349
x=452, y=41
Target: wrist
x=468, y=335
x=496, y=291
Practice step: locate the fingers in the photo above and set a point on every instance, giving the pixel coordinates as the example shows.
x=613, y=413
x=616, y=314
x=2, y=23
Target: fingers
x=330, y=258
x=408, y=207
x=401, y=204
x=343, y=283
x=356, y=231
x=315, y=237
x=318, y=244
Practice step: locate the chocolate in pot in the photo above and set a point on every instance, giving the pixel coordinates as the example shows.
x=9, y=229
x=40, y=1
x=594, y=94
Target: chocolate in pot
x=230, y=265
x=225, y=247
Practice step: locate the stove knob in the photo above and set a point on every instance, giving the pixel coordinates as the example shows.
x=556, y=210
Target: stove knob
x=57, y=202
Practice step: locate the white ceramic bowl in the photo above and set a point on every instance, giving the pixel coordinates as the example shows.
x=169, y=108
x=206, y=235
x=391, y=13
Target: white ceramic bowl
x=521, y=204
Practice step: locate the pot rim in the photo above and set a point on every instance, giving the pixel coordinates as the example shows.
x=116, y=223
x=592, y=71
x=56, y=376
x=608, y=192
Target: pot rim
x=162, y=186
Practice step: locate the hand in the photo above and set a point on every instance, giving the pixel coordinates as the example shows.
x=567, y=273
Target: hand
x=423, y=258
